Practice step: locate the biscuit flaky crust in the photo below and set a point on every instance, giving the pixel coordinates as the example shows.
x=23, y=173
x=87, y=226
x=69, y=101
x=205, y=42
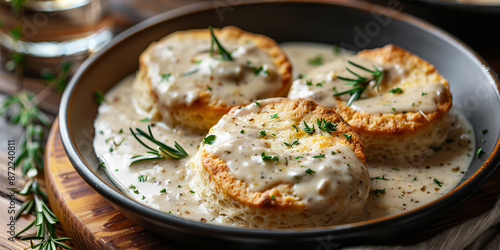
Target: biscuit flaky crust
x=398, y=123
x=215, y=176
x=205, y=111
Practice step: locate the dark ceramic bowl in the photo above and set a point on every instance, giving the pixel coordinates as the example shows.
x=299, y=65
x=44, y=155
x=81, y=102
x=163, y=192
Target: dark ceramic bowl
x=355, y=26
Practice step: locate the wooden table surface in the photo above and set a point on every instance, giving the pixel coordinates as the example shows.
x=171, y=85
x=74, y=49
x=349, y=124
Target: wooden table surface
x=478, y=30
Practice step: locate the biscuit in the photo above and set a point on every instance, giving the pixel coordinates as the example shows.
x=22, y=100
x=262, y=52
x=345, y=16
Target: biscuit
x=186, y=81
x=402, y=119
x=281, y=163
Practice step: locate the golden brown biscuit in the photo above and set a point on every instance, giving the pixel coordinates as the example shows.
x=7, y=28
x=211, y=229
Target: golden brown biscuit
x=282, y=163
x=188, y=82
x=400, y=120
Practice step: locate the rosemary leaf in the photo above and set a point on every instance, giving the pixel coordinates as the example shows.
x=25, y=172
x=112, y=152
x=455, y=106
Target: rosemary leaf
x=225, y=56
x=360, y=83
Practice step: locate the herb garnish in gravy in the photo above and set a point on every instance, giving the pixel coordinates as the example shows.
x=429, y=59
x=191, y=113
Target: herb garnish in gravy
x=225, y=55
x=361, y=83
x=163, y=150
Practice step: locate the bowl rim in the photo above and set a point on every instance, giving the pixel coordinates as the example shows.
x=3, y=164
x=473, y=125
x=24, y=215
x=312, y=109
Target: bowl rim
x=467, y=7
x=117, y=197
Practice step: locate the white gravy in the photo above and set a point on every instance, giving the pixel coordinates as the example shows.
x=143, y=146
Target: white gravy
x=166, y=184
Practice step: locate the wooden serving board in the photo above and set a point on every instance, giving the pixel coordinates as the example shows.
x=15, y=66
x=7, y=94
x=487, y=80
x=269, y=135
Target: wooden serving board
x=92, y=223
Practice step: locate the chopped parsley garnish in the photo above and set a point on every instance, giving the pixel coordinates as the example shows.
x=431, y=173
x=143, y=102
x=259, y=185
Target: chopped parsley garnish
x=274, y=116
x=308, y=129
x=143, y=197
x=393, y=109
x=424, y=93
x=179, y=186
x=415, y=178
x=335, y=49
x=136, y=191
x=379, y=178
x=319, y=84
x=327, y=126
x=296, y=128
x=318, y=60
x=310, y=171
x=257, y=70
x=262, y=133
x=319, y=156
x=99, y=97
x=298, y=157
x=131, y=186
x=273, y=197
x=258, y=104
x=120, y=131
x=163, y=190
x=480, y=153
x=198, y=61
x=291, y=144
x=396, y=91
x=347, y=136
x=225, y=56
x=301, y=76
x=440, y=184
x=309, y=82
x=165, y=77
x=101, y=164
x=379, y=191
x=209, y=88
x=242, y=131
x=333, y=153
x=209, y=139
x=142, y=178
x=145, y=120
x=191, y=191
x=268, y=157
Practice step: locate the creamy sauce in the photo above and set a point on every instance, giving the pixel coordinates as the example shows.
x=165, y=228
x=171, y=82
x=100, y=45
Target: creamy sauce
x=182, y=70
x=317, y=175
x=322, y=83
x=308, y=56
x=166, y=184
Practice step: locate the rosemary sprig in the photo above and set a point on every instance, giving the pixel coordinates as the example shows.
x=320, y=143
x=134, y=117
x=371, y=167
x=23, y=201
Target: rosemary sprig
x=308, y=129
x=24, y=111
x=360, y=83
x=327, y=126
x=60, y=80
x=225, y=55
x=163, y=150
x=45, y=220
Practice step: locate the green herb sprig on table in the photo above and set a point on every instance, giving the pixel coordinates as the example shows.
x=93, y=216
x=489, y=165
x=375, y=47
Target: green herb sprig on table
x=163, y=150
x=360, y=83
x=24, y=111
